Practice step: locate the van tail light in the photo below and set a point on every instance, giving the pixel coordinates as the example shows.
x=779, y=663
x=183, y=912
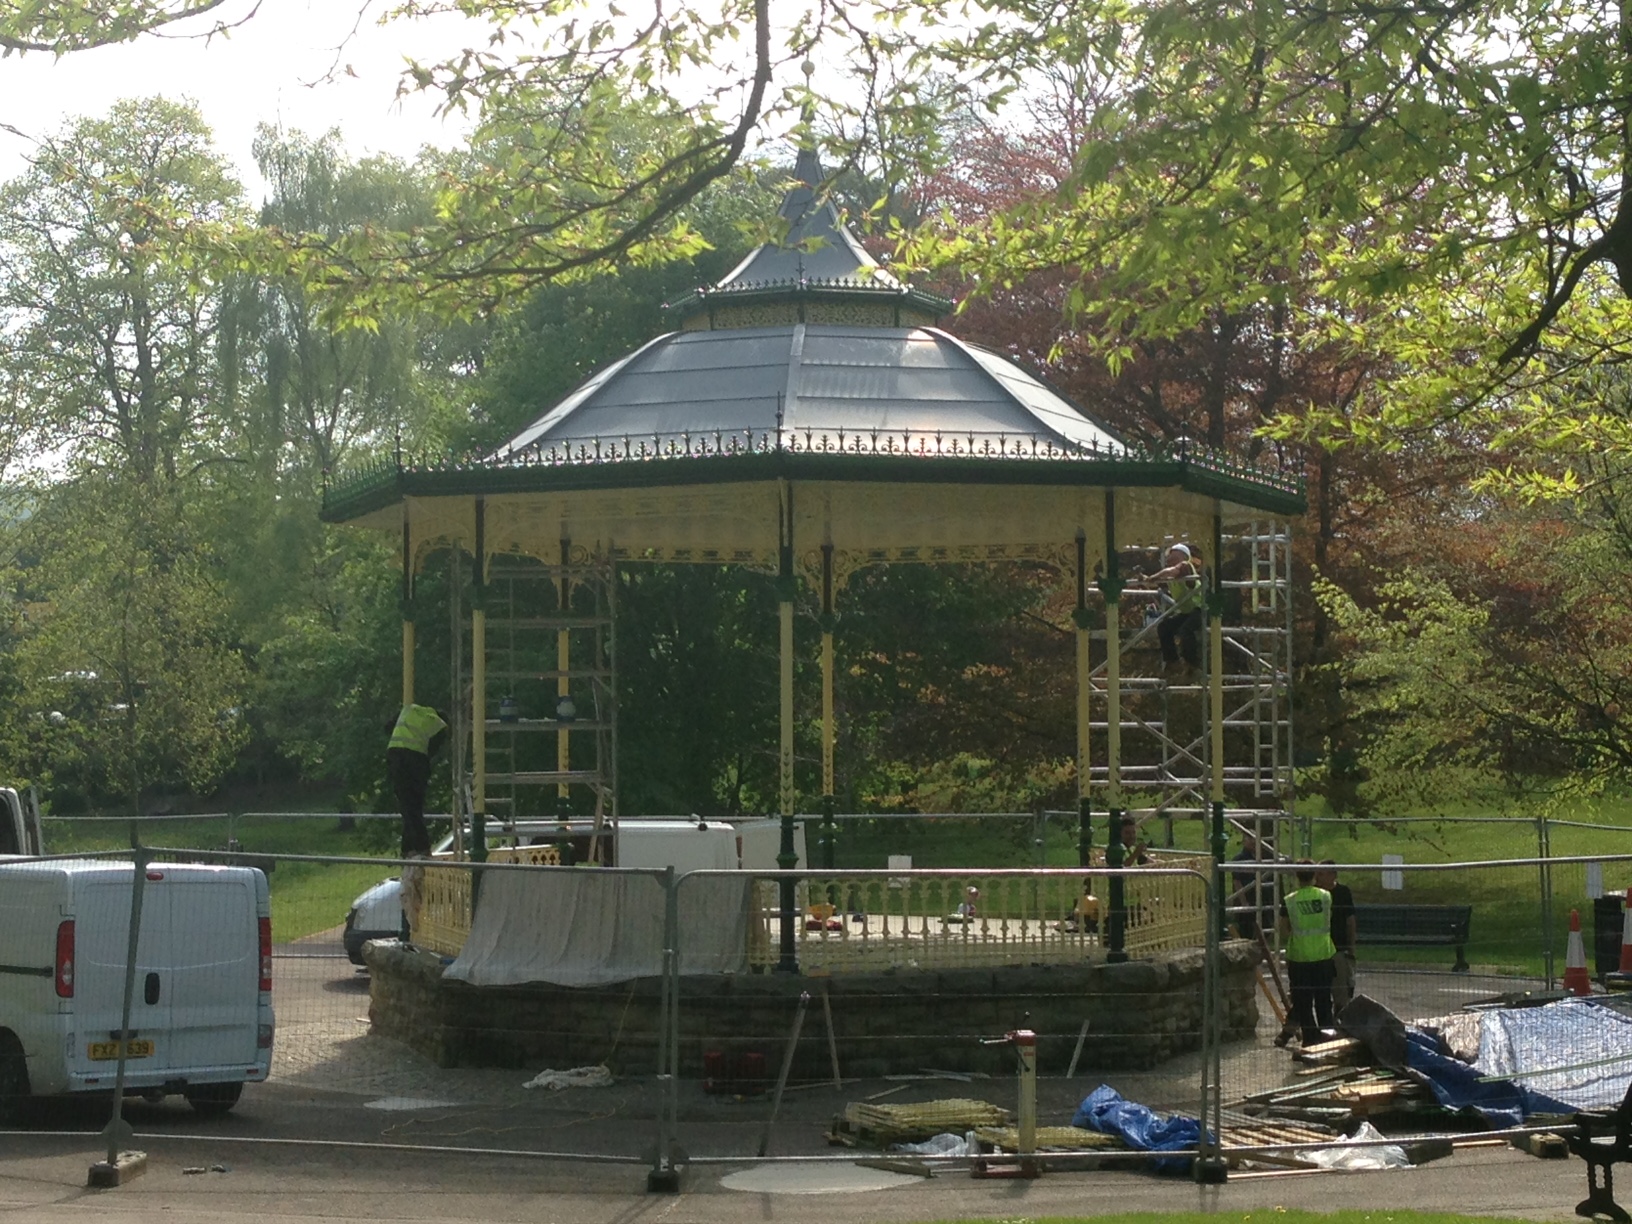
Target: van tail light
x=266, y=954
x=64, y=973
x=263, y=1038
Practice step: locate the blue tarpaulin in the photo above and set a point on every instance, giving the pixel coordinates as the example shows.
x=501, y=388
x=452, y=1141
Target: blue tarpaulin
x=1526, y=1046
x=1141, y=1128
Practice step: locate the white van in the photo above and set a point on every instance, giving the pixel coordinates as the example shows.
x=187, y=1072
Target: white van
x=201, y=1020
x=19, y=824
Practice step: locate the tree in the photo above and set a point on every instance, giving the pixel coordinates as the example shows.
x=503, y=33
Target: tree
x=317, y=394
x=107, y=353
x=60, y=26
x=126, y=655
x=1451, y=178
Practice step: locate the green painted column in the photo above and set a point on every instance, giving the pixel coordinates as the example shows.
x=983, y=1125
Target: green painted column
x=788, y=858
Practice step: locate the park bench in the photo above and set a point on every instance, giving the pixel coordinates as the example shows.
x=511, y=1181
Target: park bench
x=1390, y=924
x=1602, y=1137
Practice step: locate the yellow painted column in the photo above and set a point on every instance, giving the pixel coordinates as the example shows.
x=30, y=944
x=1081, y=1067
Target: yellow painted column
x=563, y=685
x=827, y=712
x=829, y=730
x=785, y=771
x=787, y=858
x=478, y=689
x=1111, y=585
x=407, y=611
x=1085, y=686
x=1215, y=705
x=1215, y=670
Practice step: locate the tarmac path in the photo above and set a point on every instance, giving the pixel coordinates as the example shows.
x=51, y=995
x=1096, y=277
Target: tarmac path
x=42, y=1179
x=334, y=1083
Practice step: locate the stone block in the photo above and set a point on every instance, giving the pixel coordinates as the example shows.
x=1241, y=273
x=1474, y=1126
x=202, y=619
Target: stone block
x=106, y=1174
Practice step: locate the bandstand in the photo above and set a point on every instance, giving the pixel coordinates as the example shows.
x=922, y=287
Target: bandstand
x=808, y=418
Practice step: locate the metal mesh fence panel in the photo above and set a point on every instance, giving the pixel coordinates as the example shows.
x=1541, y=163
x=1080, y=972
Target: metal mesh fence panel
x=889, y=1015
x=1437, y=945
x=604, y=1014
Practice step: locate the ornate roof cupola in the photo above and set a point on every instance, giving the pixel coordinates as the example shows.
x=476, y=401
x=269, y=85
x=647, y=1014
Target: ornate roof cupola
x=816, y=272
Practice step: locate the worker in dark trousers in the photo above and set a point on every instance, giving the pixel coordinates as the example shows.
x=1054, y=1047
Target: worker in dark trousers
x=418, y=733
x=1344, y=934
x=1179, y=630
x=1305, y=924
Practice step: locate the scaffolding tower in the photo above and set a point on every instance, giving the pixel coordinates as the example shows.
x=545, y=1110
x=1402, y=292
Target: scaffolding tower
x=1165, y=720
x=549, y=706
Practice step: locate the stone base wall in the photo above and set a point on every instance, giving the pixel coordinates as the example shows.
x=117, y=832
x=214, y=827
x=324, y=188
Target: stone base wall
x=1139, y=1014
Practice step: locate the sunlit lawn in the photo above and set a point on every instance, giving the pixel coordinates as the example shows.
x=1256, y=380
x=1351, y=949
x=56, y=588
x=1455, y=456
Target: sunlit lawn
x=1506, y=929
x=306, y=897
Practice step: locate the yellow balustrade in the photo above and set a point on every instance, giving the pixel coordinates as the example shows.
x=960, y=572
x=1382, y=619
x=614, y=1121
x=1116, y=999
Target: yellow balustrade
x=869, y=924
x=860, y=925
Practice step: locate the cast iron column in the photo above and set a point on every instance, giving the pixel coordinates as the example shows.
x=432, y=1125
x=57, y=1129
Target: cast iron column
x=478, y=691
x=563, y=687
x=1083, y=621
x=788, y=859
x=1110, y=585
x=407, y=611
x=1215, y=693
x=829, y=830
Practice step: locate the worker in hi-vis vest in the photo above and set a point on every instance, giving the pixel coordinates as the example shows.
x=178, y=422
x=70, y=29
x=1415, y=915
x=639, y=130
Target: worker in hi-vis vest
x=1305, y=924
x=418, y=733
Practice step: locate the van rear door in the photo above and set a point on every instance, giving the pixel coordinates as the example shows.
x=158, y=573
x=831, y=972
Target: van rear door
x=101, y=932
x=196, y=998
x=213, y=967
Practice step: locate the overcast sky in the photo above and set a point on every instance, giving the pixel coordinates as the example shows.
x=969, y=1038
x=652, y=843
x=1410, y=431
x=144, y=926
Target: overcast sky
x=262, y=73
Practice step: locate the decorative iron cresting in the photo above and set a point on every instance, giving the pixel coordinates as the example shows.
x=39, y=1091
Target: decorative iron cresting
x=903, y=443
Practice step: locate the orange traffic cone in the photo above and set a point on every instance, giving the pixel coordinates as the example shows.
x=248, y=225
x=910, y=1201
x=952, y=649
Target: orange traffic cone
x=1621, y=979
x=1626, y=933
x=1576, y=980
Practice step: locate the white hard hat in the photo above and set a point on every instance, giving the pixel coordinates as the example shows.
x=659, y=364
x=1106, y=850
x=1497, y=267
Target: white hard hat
x=1181, y=549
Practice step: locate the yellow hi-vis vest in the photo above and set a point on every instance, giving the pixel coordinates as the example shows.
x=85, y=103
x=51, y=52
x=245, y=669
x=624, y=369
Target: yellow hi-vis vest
x=416, y=725
x=1186, y=592
x=1309, y=913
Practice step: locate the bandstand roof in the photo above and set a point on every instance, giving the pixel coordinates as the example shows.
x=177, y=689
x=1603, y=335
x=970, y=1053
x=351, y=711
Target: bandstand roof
x=810, y=388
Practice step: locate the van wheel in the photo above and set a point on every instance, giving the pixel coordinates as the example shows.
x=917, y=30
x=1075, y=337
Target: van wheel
x=13, y=1077
x=213, y=1100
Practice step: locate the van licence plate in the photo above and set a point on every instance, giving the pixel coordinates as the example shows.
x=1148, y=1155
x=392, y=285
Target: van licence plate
x=103, y=1051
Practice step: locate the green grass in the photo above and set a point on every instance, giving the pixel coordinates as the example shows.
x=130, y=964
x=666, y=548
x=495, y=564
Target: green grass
x=1507, y=927
x=312, y=897
x=306, y=897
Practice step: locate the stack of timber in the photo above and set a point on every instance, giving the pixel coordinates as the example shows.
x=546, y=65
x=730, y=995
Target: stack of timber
x=1245, y=1130
x=1340, y=1097
x=865, y=1125
x=1049, y=1139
